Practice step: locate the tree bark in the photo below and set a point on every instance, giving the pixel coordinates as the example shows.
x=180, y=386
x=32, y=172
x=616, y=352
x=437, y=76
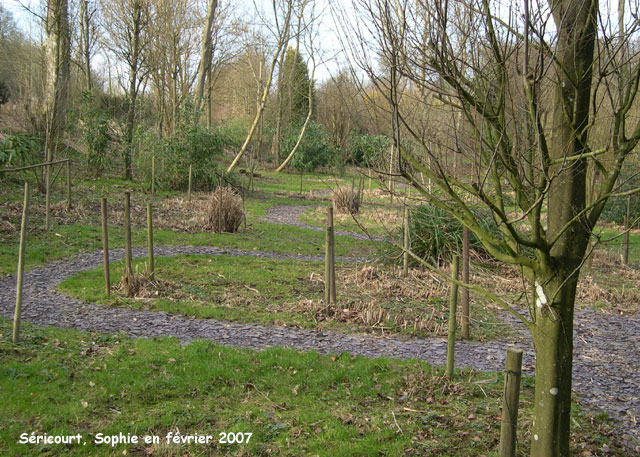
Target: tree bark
x=205, y=54
x=133, y=85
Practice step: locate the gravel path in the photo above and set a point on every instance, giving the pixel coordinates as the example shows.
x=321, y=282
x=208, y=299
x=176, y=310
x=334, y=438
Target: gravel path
x=290, y=215
x=606, y=364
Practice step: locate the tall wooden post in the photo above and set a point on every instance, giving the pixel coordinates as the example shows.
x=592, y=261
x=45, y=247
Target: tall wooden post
x=23, y=243
x=327, y=266
x=128, y=267
x=627, y=228
x=47, y=197
x=406, y=243
x=153, y=175
x=465, y=279
x=513, y=371
x=105, y=246
x=68, y=185
x=332, y=252
x=150, y=240
x=189, y=189
x=453, y=303
x=220, y=208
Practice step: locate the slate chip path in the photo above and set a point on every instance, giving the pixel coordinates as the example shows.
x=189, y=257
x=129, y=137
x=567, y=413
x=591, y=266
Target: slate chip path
x=606, y=362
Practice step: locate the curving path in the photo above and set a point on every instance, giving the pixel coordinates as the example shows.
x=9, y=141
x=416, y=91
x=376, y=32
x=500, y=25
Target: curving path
x=606, y=365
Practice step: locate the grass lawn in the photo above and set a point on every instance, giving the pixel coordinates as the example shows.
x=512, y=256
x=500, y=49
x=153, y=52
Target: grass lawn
x=65, y=382
x=288, y=292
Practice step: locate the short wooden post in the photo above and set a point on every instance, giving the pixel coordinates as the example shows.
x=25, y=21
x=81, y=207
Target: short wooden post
x=23, y=243
x=153, y=175
x=627, y=228
x=128, y=267
x=513, y=371
x=332, y=251
x=327, y=266
x=220, y=208
x=150, y=240
x=369, y=170
x=68, y=185
x=47, y=197
x=406, y=244
x=465, y=279
x=189, y=189
x=105, y=246
x=453, y=303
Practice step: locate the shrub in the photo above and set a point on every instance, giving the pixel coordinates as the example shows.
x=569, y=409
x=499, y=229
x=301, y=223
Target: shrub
x=95, y=126
x=347, y=200
x=367, y=149
x=436, y=235
x=616, y=209
x=314, y=150
x=225, y=212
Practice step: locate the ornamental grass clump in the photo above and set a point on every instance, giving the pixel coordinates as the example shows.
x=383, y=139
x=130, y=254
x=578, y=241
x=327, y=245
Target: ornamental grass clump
x=225, y=212
x=347, y=200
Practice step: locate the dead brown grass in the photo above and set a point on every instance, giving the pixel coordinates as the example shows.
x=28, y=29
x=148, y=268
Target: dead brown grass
x=225, y=211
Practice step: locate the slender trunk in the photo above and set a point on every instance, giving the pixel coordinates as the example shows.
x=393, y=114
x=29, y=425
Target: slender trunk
x=206, y=53
x=553, y=342
x=133, y=87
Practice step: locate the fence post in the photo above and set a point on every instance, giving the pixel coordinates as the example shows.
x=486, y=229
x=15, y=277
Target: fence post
x=105, y=246
x=150, y=240
x=128, y=268
x=627, y=228
x=153, y=175
x=465, y=279
x=406, y=243
x=47, y=198
x=453, y=303
x=327, y=266
x=68, y=185
x=332, y=252
x=513, y=371
x=23, y=242
x=189, y=190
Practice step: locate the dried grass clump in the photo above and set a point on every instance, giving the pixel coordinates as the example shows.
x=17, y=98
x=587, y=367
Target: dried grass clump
x=347, y=200
x=225, y=212
x=141, y=285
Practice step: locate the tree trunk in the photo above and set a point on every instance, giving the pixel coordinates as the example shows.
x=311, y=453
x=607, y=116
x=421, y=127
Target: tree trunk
x=205, y=54
x=553, y=342
x=133, y=87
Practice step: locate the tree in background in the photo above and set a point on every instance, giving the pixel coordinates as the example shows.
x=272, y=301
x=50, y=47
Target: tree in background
x=126, y=23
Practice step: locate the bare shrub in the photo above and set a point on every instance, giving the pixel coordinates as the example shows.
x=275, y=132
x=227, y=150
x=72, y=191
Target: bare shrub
x=347, y=200
x=225, y=212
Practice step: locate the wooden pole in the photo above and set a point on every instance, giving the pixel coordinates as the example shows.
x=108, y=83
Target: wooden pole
x=189, y=190
x=23, y=243
x=327, y=266
x=105, y=246
x=513, y=371
x=627, y=228
x=153, y=175
x=128, y=267
x=465, y=279
x=406, y=244
x=220, y=208
x=332, y=251
x=47, y=198
x=369, y=169
x=451, y=334
x=68, y=185
x=150, y=240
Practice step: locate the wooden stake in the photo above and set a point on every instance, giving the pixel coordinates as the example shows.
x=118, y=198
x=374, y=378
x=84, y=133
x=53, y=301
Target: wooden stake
x=513, y=371
x=105, y=246
x=150, y=240
x=465, y=279
x=153, y=175
x=189, y=190
x=220, y=208
x=23, y=243
x=332, y=245
x=128, y=267
x=453, y=303
x=327, y=266
x=406, y=244
x=47, y=198
x=627, y=228
x=68, y=185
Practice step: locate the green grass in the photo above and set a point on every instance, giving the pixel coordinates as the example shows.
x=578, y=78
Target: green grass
x=65, y=382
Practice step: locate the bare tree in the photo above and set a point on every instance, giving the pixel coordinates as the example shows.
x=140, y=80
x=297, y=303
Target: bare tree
x=282, y=12
x=206, y=53
x=126, y=23
x=57, y=58
x=519, y=84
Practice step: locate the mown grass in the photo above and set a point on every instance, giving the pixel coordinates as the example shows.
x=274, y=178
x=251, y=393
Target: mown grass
x=64, y=382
